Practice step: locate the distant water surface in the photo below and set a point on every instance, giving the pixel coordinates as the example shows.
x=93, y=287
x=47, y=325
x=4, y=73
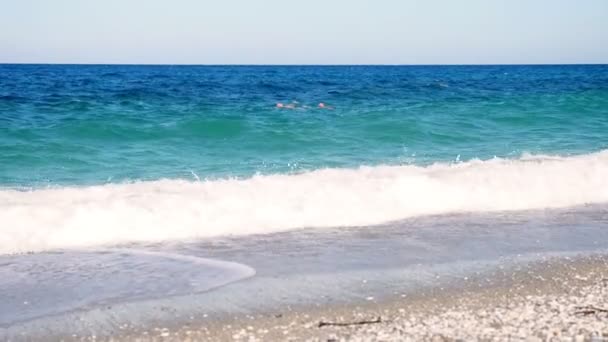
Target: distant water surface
x=98, y=124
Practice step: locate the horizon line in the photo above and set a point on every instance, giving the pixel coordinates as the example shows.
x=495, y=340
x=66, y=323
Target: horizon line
x=300, y=65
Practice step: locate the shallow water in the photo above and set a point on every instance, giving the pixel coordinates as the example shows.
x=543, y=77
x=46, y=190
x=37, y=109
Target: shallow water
x=55, y=283
x=154, y=284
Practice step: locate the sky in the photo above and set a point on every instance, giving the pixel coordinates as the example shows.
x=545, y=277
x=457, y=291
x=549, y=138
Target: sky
x=304, y=31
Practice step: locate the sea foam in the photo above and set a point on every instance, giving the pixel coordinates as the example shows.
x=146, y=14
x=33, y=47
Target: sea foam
x=162, y=210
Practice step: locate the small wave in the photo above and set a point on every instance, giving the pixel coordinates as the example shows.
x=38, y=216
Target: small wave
x=127, y=275
x=179, y=209
x=12, y=98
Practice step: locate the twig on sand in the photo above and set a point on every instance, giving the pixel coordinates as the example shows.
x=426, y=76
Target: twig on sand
x=346, y=324
x=589, y=310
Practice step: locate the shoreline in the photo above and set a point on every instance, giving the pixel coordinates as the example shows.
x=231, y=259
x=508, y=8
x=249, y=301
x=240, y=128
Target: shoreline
x=534, y=301
x=418, y=268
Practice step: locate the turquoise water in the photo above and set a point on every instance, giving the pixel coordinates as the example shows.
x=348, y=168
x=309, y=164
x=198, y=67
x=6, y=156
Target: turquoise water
x=75, y=125
x=106, y=155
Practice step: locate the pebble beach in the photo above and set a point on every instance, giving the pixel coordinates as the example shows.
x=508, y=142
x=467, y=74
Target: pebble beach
x=554, y=300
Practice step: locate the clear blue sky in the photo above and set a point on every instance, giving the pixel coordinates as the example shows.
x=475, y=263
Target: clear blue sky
x=304, y=31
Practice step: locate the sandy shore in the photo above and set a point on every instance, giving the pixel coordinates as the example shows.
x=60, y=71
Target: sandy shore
x=562, y=299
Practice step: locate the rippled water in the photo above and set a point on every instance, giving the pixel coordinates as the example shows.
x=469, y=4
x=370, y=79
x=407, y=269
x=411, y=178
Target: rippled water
x=98, y=124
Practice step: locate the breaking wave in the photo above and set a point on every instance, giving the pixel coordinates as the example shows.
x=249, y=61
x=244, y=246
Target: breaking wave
x=162, y=210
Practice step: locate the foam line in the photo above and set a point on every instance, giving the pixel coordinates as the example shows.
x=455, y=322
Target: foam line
x=178, y=209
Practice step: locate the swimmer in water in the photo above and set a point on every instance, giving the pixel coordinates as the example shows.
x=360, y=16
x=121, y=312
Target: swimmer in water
x=285, y=106
x=324, y=106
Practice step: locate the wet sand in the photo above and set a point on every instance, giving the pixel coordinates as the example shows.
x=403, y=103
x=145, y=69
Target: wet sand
x=557, y=299
x=433, y=277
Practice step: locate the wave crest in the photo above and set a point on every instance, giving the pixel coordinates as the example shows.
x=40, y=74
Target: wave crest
x=178, y=209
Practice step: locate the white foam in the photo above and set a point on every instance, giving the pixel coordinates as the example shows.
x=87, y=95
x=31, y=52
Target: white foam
x=178, y=209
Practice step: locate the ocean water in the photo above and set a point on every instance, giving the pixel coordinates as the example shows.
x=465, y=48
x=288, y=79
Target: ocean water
x=68, y=125
x=98, y=155
x=145, y=195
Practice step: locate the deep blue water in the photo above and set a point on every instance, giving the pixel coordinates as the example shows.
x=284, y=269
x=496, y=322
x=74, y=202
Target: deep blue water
x=68, y=124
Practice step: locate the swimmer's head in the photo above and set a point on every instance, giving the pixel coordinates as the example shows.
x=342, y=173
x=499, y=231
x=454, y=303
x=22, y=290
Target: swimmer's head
x=321, y=105
x=280, y=105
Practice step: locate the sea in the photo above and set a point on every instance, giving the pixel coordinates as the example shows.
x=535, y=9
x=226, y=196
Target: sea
x=189, y=178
